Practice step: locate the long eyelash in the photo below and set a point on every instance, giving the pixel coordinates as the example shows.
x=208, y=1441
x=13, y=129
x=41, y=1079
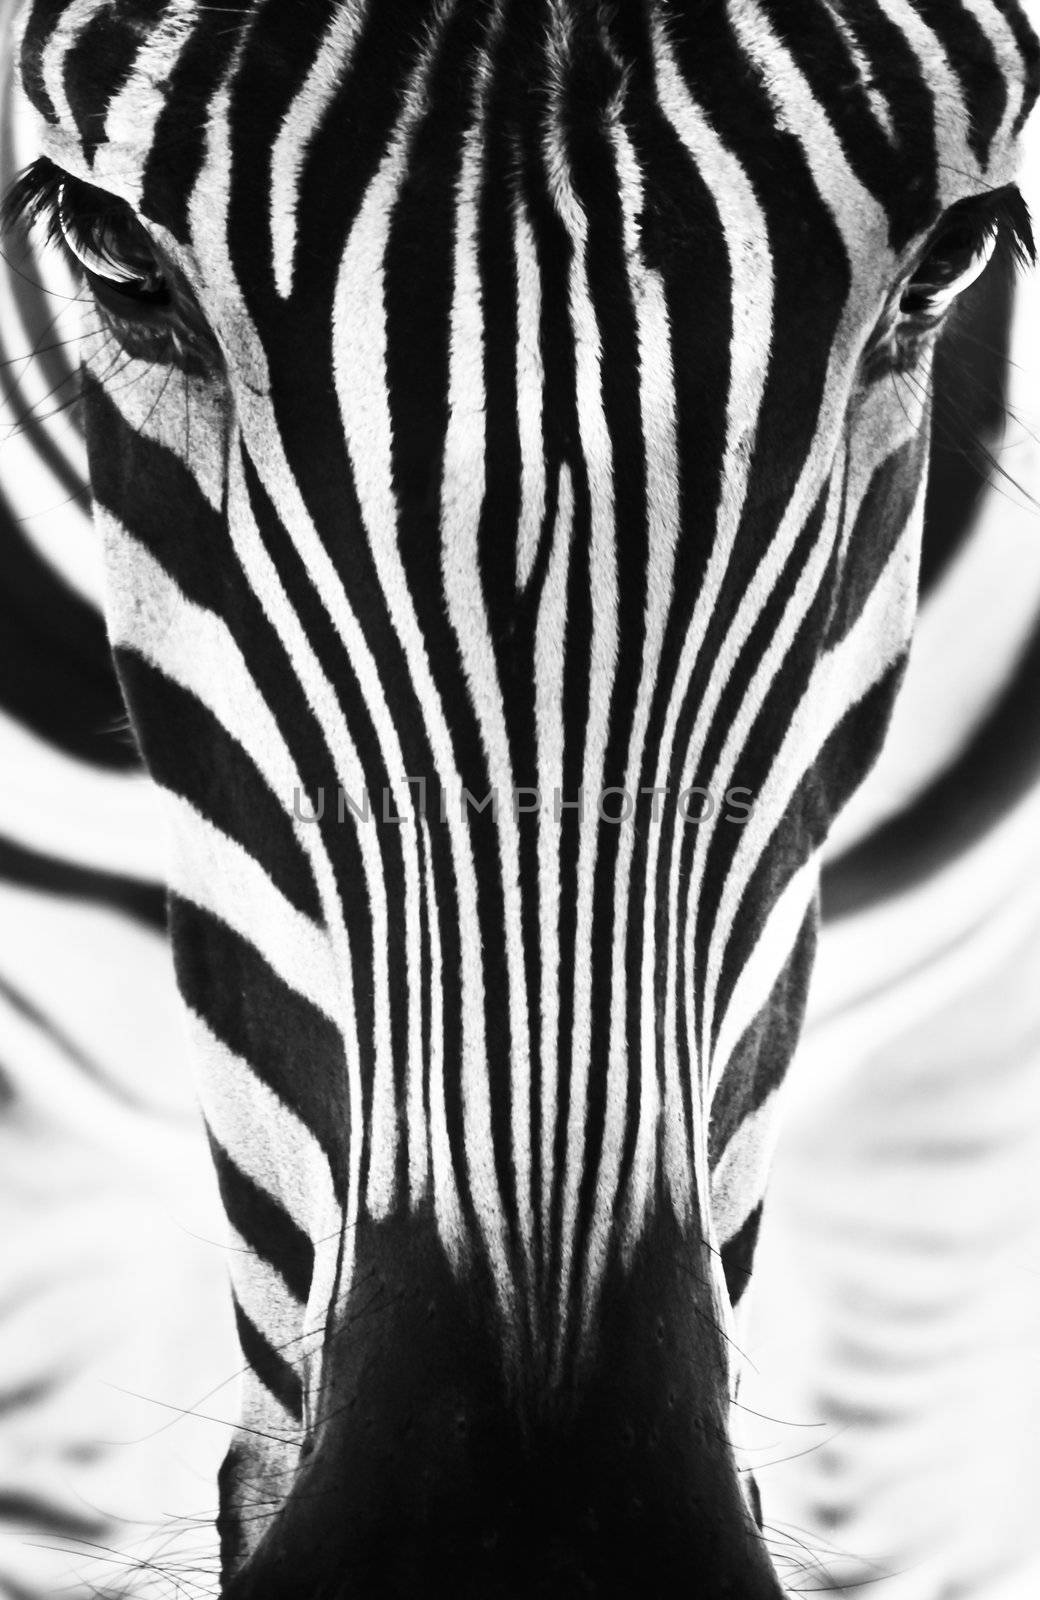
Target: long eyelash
x=34, y=197
x=71, y=212
x=1015, y=239
x=41, y=195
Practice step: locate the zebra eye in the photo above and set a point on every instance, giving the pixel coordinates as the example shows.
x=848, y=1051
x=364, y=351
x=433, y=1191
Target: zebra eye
x=962, y=245
x=148, y=304
x=112, y=247
x=961, y=248
x=955, y=259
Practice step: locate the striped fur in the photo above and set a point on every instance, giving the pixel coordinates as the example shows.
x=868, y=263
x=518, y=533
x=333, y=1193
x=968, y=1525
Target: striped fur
x=586, y=482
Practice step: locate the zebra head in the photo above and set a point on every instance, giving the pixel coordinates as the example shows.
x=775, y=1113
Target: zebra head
x=507, y=422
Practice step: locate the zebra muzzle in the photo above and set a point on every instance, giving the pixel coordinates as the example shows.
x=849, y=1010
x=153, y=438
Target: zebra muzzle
x=429, y=1473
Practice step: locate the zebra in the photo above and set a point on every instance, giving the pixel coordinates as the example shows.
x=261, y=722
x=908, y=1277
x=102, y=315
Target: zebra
x=503, y=663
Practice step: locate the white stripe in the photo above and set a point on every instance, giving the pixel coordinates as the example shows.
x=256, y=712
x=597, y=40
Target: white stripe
x=658, y=417
x=300, y=127
x=58, y=528
x=598, y=454
x=265, y=1139
x=51, y=1086
x=956, y=166
x=184, y=413
x=873, y=93
x=136, y=108
x=997, y=28
x=447, y=1204
x=215, y=873
x=771, y=953
x=76, y=17
x=193, y=647
x=267, y=1300
x=739, y=1180
x=462, y=498
x=530, y=382
x=879, y=967
x=550, y=655
x=862, y=222
x=80, y=814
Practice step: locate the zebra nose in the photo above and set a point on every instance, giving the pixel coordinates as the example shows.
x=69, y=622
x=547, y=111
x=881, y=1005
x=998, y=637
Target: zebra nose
x=551, y=1528
x=436, y=1472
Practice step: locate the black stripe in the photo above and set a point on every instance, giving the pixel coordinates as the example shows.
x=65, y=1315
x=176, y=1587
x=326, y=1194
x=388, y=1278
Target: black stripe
x=847, y=755
x=27, y=1396
x=1029, y=49
x=974, y=61
x=145, y=902
x=264, y=1224
x=288, y=1044
x=275, y=1373
x=902, y=175
x=766, y=1047
x=151, y=493
x=98, y=65
x=881, y=522
x=43, y=17
x=220, y=781
x=968, y=416
x=15, y=1591
x=956, y=810
x=52, y=348
x=738, y=1255
x=84, y=1064
x=56, y=672
x=34, y=1514
x=178, y=145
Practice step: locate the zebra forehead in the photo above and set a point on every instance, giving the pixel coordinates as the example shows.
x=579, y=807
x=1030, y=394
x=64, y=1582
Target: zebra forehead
x=131, y=78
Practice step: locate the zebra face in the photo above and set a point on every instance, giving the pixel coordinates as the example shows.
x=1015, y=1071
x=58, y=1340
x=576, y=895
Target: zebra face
x=508, y=426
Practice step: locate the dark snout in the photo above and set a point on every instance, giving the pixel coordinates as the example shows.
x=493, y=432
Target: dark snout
x=432, y=1475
